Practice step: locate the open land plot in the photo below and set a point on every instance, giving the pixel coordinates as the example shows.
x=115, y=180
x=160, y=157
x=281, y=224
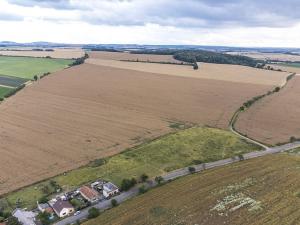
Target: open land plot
x=261, y=191
x=11, y=81
x=275, y=118
x=235, y=73
x=269, y=56
x=58, y=53
x=27, y=67
x=170, y=152
x=86, y=112
x=129, y=56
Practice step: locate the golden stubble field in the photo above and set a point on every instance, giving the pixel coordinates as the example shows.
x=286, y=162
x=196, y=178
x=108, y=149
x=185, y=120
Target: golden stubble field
x=86, y=112
x=234, y=73
x=269, y=56
x=59, y=53
x=262, y=191
x=275, y=118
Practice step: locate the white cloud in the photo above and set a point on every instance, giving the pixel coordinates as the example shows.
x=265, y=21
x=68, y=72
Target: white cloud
x=149, y=22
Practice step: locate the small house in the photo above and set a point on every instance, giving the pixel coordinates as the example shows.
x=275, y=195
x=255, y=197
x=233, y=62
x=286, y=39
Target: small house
x=109, y=190
x=25, y=217
x=45, y=207
x=89, y=194
x=61, y=208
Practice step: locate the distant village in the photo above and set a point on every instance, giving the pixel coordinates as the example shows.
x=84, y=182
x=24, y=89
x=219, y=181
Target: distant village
x=67, y=204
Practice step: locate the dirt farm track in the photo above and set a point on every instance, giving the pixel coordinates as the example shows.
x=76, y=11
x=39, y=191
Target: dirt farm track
x=89, y=111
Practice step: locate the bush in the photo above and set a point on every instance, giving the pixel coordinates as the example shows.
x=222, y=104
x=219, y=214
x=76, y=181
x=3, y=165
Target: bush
x=93, y=213
x=241, y=157
x=144, y=177
x=35, y=77
x=192, y=169
x=277, y=89
x=114, y=203
x=142, y=189
x=294, y=139
x=159, y=179
x=43, y=200
x=98, y=162
x=44, y=218
x=127, y=184
x=195, y=66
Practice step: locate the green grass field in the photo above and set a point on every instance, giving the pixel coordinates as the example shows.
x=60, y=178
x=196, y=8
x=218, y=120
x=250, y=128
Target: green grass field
x=173, y=151
x=4, y=91
x=290, y=64
x=27, y=67
x=261, y=191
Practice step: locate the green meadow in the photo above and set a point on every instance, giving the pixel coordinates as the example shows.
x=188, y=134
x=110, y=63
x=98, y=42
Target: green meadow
x=27, y=67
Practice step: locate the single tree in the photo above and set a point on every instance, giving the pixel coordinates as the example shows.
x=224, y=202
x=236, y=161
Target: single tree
x=144, y=177
x=192, y=169
x=93, y=213
x=159, y=179
x=114, y=203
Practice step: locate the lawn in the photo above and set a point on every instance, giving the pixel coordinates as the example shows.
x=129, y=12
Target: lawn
x=261, y=191
x=27, y=67
x=4, y=91
x=170, y=152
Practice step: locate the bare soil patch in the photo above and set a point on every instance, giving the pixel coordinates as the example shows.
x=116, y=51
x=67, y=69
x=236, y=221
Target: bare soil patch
x=275, y=118
x=234, y=73
x=86, y=112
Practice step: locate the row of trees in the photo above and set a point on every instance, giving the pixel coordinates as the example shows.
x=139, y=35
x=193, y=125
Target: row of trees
x=80, y=60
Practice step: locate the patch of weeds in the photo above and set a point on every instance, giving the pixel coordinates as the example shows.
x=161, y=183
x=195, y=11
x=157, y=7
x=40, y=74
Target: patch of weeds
x=97, y=163
x=233, y=202
x=176, y=125
x=238, y=186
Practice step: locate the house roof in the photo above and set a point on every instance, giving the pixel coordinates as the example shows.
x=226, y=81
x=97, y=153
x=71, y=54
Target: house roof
x=110, y=186
x=59, y=205
x=89, y=192
x=25, y=217
x=43, y=205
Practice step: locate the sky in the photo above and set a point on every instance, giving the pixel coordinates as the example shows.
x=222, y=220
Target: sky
x=247, y=23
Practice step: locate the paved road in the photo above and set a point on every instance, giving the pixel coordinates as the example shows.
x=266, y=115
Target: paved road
x=176, y=174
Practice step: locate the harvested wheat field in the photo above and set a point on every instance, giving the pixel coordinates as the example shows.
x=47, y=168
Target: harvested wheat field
x=58, y=53
x=242, y=74
x=275, y=118
x=269, y=56
x=129, y=56
x=85, y=112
